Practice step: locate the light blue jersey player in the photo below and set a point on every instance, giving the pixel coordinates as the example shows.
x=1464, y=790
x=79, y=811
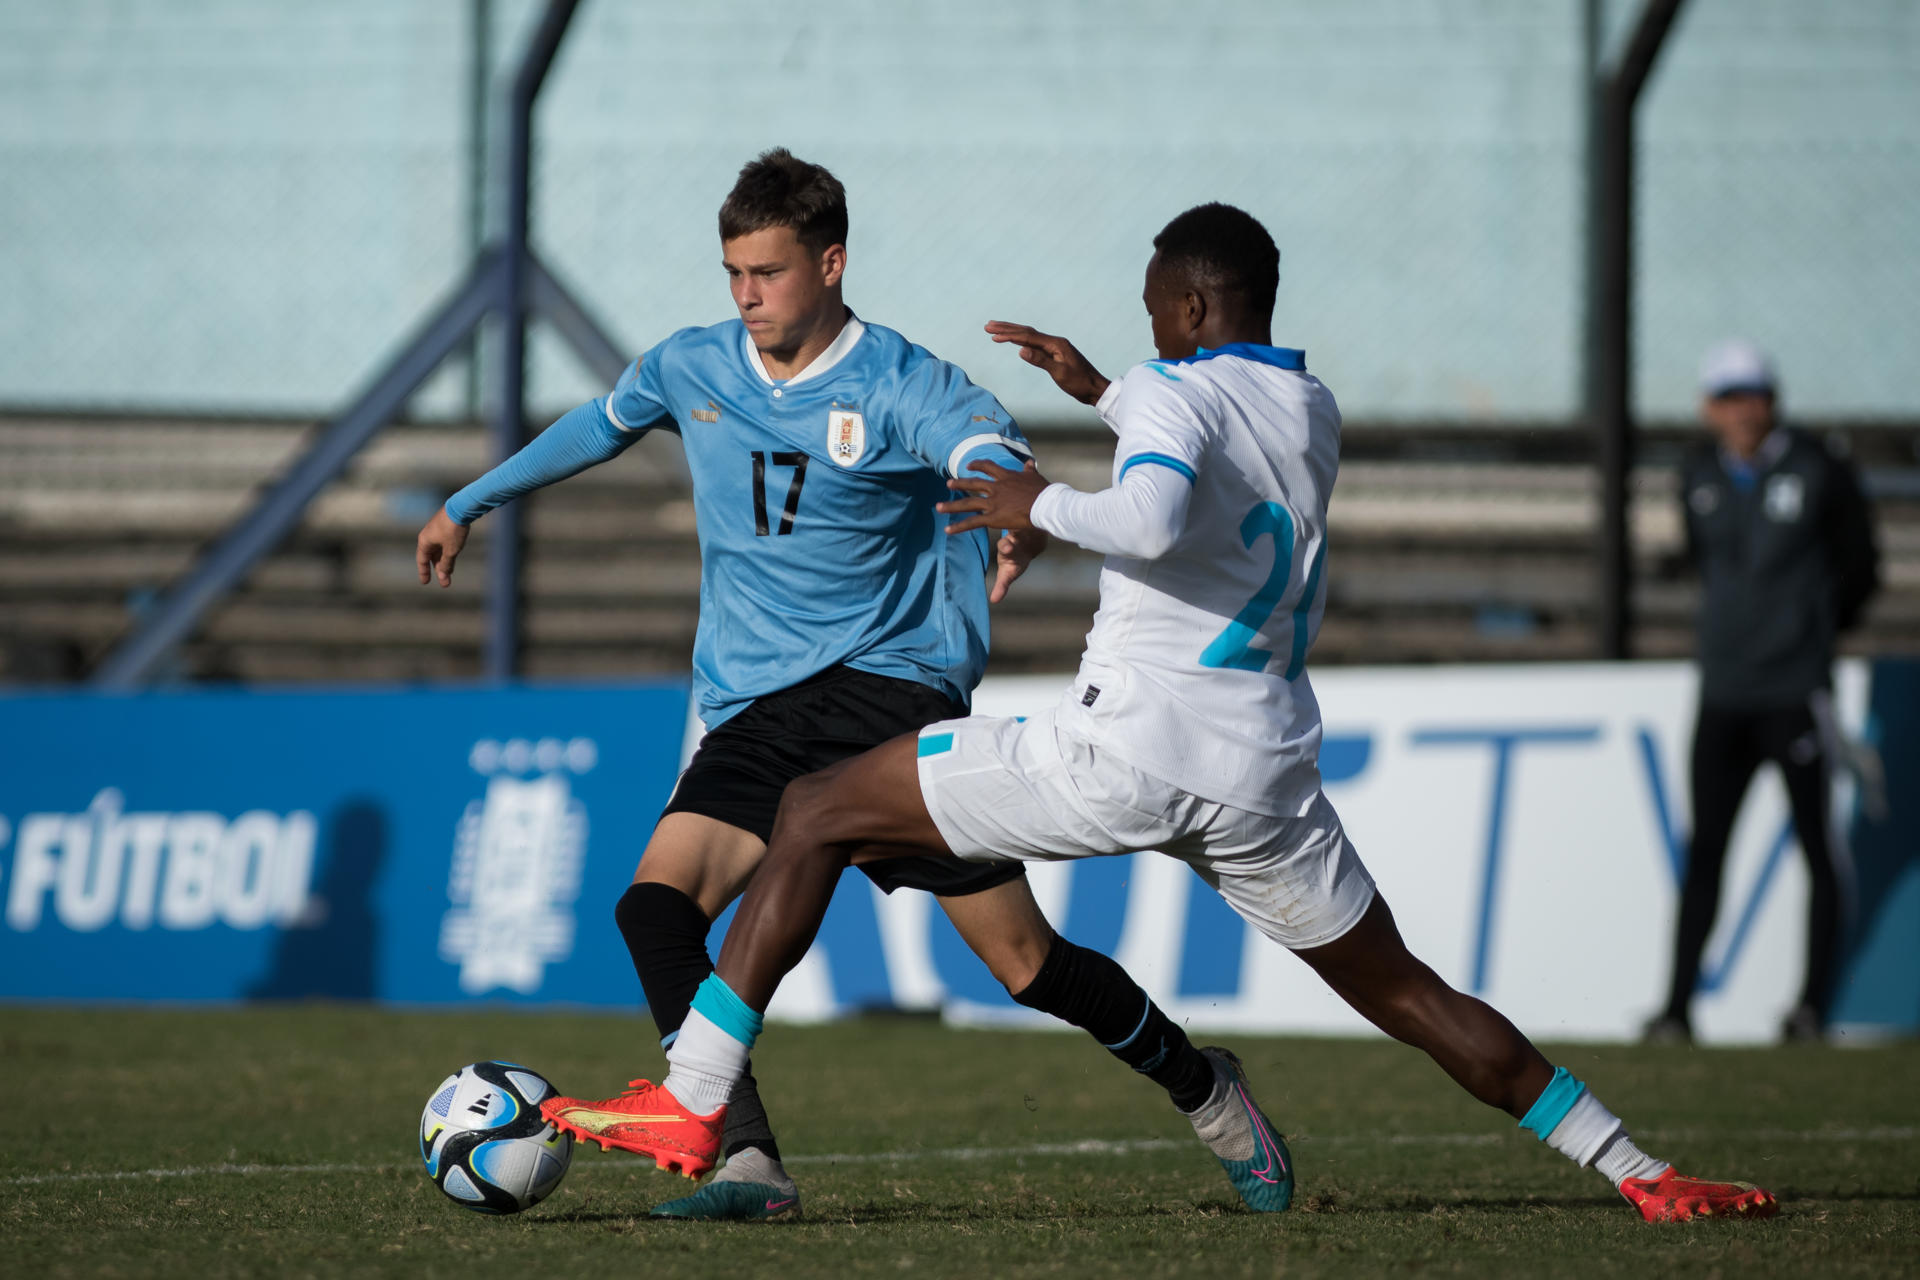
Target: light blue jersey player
x=813, y=497
x=836, y=613
x=814, y=500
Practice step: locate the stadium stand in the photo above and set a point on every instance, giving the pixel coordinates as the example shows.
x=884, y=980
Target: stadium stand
x=1452, y=545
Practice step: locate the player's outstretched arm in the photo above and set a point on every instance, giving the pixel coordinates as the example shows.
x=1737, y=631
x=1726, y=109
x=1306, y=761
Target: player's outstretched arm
x=1141, y=517
x=438, y=546
x=582, y=438
x=1003, y=500
x=1070, y=371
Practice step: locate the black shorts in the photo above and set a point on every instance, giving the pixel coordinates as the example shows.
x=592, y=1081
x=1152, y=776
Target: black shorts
x=741, y=768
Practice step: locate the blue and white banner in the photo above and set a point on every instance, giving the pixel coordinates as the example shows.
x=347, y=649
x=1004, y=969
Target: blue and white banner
x=408, y=846
x=1526, y=824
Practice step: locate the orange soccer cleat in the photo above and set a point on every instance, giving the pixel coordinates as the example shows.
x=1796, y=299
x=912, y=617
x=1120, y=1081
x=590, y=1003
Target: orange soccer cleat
x=1672, y=1197
x=646, y=1120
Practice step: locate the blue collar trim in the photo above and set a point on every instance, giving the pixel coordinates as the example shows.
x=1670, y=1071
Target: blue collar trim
x=1278, y=357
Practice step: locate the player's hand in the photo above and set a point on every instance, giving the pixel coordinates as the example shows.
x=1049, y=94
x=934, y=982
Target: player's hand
x=438, y=547
x=1063, y=362
x=1003, y=500
x=1013, y=553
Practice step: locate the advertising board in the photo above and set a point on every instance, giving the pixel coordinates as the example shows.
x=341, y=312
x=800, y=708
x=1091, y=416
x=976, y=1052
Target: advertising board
x=1527, y=824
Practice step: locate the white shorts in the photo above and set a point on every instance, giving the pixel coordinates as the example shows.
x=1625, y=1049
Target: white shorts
x=1001, y=789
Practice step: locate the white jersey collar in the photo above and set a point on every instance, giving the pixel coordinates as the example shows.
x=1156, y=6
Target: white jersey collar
x=822, y=364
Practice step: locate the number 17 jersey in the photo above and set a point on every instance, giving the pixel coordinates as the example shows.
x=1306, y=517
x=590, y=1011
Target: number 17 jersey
x=813, y=500
x=1195, y=670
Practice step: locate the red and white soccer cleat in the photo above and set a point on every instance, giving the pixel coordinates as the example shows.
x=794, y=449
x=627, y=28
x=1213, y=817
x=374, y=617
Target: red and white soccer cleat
x=1672, y=1197
x=646, y=1120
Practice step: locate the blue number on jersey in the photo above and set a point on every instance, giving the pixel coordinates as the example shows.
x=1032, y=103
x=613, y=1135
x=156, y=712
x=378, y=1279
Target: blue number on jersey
x=1233, y=648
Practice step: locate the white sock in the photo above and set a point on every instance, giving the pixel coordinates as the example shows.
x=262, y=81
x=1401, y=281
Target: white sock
x=705, y=1062
x=1584, y=1130
x=1222, y=1124
x=1589, y=1134
x=754, y=1165
x=1621, y=1160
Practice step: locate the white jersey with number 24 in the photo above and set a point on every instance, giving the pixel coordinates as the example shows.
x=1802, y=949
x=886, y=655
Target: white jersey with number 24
x=1195, y=670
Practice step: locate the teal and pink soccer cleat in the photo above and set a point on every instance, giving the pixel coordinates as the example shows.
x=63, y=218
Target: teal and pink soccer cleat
x=731, y=1202
x=1672, y=1197
x=751, y=1187
x=1241, y=1137
x=646, y=1120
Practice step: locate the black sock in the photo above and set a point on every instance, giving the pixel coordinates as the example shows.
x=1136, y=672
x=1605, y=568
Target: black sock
x=1095, y=994
x=747, y=1123
x=666, y=934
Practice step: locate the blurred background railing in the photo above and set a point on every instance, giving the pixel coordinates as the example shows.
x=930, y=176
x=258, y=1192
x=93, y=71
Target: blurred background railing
x=1450, y=545
x=218, y=219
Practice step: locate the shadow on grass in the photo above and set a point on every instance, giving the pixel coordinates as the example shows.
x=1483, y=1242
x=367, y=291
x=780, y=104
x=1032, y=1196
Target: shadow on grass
x=868, y=1215
x=1413, y=1205
x=876, y=1213
x=1790, y=1196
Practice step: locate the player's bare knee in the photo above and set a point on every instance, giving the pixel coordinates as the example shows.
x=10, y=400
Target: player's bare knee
x=1015, y=961
x=808, y=814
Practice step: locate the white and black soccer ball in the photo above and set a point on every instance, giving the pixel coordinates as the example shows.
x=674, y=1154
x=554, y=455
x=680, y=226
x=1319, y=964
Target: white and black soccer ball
x=485, y=1142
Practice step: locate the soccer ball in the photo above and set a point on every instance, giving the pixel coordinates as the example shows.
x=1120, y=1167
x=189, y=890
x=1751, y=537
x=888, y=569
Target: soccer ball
x=485, y=1142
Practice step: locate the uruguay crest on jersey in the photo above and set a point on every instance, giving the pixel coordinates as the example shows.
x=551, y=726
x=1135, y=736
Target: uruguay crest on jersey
x=846, y=436
x=844, y=557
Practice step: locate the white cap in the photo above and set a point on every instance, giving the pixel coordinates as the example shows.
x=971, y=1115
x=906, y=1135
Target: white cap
x=1736, y=365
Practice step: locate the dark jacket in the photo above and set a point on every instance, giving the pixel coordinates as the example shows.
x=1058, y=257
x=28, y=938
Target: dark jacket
x=1787, y=561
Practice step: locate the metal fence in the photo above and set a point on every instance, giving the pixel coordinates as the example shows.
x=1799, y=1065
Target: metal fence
x=237, y=209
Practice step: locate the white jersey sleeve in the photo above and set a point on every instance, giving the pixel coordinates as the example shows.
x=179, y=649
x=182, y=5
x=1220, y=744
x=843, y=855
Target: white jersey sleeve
x=1160, y=416
x=1162, y=444
x=1141, y=517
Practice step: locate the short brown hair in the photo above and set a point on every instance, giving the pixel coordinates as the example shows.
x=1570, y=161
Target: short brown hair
x=775, y=189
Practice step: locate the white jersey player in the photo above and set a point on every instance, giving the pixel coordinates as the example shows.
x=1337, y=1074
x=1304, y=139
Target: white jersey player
x=1191, y=729
x=1224, y=465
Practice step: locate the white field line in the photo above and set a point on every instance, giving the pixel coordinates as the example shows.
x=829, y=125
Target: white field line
x=1085, y=1147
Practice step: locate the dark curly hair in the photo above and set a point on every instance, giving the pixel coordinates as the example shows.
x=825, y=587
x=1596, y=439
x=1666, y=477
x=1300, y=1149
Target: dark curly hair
x=1226, y=251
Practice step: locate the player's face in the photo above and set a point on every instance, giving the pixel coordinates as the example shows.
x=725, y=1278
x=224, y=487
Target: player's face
x=785, y=292
x=1172, y=310
x=1741, y=419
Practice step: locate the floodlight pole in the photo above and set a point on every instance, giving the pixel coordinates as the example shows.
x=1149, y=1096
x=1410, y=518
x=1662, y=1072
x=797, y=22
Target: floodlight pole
x=508, y=544
x=226, y=562
x=1610, y=192
x=505, y=278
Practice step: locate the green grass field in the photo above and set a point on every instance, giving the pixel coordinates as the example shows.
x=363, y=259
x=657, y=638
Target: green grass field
x=287, y=1139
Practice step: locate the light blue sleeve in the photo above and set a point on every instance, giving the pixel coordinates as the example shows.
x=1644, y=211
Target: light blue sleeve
x=950, y=423
x=582, y=438
x=639, y=401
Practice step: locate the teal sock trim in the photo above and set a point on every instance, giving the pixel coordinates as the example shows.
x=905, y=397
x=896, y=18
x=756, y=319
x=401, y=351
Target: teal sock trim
x=1549, y=1109
x=716, y=1002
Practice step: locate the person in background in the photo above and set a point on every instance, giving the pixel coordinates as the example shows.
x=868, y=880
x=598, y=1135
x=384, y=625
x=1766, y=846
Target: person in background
x=1780, y=532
